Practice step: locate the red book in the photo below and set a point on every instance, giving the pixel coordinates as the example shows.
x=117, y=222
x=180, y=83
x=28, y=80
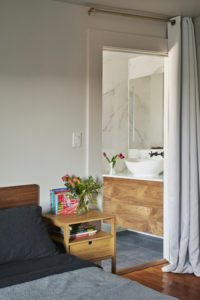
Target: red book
x=85, y=234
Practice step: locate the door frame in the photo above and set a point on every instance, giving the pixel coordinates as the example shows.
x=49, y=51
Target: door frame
x=97, y=41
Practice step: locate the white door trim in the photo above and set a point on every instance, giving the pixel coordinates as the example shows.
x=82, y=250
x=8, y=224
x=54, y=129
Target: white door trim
x=97, y=40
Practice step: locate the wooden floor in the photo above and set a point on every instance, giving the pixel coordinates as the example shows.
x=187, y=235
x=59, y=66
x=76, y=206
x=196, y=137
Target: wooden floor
x=181, y=286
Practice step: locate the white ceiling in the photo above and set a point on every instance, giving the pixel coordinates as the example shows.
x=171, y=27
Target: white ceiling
x=169, y=8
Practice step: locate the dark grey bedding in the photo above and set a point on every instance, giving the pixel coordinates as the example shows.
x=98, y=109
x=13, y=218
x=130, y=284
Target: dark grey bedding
x=28, y=270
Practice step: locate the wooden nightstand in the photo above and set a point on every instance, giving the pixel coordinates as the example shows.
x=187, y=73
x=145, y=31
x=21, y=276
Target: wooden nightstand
x=96, y=248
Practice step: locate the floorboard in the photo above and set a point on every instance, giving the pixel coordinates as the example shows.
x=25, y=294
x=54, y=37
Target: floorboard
x=182, y=286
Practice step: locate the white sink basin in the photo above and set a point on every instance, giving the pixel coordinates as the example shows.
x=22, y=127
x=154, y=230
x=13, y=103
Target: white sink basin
x=145, y=167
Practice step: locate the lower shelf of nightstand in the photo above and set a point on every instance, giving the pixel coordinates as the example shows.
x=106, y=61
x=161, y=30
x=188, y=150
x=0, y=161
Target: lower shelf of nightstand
x=98, y=236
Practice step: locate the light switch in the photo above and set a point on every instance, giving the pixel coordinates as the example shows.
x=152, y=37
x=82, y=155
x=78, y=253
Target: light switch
x=76, y=139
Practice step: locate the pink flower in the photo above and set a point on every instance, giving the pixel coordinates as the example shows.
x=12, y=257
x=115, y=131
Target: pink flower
x=121, y=155
x=104, y=154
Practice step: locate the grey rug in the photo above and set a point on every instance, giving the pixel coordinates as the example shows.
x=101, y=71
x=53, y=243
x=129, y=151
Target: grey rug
x=134, y=249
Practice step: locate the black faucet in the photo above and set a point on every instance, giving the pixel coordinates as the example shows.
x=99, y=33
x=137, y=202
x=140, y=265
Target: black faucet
x=156, y=154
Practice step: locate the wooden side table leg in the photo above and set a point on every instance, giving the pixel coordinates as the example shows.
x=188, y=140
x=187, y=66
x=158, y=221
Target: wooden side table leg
x=66, y=238
x=113, y=231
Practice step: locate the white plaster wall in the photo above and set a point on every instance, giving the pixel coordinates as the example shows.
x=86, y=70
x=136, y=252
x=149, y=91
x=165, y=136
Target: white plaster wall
x=43, y=87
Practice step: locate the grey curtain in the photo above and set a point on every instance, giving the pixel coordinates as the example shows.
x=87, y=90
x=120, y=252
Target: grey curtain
x=196, y=22
x=183, y=149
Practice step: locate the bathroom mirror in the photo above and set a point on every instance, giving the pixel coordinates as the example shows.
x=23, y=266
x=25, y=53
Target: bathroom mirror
x=145, y=102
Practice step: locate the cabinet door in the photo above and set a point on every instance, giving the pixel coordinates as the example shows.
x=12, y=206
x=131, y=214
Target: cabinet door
x=137, y=204
x=93, y=249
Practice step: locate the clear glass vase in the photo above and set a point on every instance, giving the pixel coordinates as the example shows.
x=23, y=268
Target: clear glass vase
x=112, y=169
x=83, y=204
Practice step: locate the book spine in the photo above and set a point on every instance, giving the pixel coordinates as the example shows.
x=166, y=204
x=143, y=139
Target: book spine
x=53, y=202
x=59, y=190
x=81, y=236
x=56, y=204
x=82, y=230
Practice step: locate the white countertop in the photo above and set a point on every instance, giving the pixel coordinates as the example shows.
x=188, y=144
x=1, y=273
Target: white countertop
x=131, y=176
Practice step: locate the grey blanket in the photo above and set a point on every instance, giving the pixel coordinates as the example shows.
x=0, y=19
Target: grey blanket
x=88, y=283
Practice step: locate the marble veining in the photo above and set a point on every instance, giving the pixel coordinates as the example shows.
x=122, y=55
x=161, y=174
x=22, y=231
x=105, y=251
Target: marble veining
x=115, y=109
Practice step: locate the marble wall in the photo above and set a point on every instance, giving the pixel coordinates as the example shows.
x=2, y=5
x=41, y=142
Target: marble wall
x=115, y=106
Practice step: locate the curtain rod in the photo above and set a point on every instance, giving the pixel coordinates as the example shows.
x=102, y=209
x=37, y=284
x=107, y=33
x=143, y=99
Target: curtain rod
x=98, y=10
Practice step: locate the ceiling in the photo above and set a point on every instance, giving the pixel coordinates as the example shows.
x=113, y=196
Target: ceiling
x=168, y=8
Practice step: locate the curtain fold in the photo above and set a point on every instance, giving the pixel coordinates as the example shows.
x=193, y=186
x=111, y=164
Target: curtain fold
x=183, y=150
x=196, y=22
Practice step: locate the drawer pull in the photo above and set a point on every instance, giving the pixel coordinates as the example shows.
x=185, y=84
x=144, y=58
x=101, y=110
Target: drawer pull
x=90, y=242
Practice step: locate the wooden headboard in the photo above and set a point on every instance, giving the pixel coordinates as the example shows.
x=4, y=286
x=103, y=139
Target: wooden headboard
x=21, y=195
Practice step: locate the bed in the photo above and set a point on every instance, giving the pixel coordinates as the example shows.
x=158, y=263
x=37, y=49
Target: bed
x=32, y=268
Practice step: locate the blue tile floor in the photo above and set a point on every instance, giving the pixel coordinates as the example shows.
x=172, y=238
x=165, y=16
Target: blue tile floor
x=134, y=248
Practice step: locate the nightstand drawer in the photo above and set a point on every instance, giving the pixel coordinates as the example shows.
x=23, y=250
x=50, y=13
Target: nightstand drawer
x=93, y=249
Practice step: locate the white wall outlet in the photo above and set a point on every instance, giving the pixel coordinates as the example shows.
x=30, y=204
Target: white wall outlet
x=76, y=139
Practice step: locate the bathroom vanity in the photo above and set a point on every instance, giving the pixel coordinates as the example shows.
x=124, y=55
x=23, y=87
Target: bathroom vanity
x=136, y=202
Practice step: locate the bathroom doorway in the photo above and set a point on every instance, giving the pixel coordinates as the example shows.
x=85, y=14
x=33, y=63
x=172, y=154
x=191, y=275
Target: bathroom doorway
x=132, y=125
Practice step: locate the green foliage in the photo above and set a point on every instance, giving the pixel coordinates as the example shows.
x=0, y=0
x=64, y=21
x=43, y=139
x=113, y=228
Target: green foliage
x=84, y=189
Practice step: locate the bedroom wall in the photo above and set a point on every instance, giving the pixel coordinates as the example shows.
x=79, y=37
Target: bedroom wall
x=43, y=87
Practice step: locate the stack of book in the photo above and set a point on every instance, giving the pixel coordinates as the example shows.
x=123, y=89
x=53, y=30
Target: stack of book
x=82, y=230
x=75, y=231
x=62, y=202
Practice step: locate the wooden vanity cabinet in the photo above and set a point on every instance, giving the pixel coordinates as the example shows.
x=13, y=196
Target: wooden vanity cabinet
x=137, y=204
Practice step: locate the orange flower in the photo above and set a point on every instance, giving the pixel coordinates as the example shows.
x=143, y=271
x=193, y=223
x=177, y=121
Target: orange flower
x=71, y=182
x=75, y=179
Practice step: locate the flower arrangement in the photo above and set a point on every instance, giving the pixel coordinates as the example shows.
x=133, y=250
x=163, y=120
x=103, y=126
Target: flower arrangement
x=83, y=189
x=113, y=160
